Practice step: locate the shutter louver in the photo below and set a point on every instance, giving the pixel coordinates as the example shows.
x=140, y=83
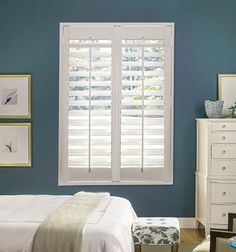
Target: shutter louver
x=142, y=104
x=89, y=145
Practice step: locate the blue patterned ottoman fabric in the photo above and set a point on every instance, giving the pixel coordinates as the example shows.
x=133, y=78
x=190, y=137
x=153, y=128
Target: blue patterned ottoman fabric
x=156, y=231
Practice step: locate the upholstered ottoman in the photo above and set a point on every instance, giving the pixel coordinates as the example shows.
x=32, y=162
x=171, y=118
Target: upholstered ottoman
x=156, y=231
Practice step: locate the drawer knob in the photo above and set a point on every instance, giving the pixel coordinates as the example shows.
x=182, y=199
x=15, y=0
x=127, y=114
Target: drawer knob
x=224, y=151
x=224, y=193
x=224, y=126
x=223, y=137
x=223, y=214
x=223, y=168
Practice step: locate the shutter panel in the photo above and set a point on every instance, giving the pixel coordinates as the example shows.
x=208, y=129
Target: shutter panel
x=90, y=106
x=142, y=107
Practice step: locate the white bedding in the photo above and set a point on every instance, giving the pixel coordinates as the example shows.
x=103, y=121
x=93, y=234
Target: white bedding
x=108, y=229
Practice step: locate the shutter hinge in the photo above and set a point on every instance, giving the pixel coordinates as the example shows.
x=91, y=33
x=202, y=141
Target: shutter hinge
x=62, y=41
x=63, y=35
x=172, y=42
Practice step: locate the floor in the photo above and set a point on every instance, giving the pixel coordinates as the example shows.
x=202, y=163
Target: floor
x=190, y=236
x=189, y=239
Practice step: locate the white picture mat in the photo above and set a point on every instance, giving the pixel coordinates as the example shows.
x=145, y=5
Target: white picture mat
x=228, y=92
x=21, y=155
x=21, y=84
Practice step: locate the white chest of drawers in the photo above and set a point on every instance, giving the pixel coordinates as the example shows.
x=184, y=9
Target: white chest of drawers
x=215, y=172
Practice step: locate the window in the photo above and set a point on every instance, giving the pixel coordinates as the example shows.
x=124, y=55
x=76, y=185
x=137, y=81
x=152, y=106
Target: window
x=115, y=122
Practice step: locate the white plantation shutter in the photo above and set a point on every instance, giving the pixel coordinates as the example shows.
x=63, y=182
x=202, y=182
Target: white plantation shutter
x=115, y=103
x=88, y=83
x=142, y=113
x=144, y=97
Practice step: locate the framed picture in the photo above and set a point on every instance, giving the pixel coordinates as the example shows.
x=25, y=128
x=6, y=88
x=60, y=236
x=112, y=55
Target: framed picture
x=15, y=144
x=227, y=91
x=15, y=96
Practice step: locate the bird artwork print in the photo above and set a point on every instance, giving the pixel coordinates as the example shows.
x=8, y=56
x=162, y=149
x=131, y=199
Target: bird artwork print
x=10, y=97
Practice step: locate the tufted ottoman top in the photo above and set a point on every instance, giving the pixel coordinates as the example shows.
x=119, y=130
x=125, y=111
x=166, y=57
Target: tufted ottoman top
x=156, y=231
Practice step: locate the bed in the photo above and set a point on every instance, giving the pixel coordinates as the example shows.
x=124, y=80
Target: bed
x=108, y=228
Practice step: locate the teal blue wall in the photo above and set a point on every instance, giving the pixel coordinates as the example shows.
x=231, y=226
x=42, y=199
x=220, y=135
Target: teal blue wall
x=205, y=45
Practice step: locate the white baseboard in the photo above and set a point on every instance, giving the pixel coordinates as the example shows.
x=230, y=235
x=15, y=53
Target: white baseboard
x=187, y=223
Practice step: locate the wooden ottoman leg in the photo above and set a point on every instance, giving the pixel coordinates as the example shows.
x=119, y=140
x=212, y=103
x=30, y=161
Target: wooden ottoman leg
x=174, y=248
x=137, y=248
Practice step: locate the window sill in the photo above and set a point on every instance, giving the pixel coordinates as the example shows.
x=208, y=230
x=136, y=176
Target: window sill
x=95, y=183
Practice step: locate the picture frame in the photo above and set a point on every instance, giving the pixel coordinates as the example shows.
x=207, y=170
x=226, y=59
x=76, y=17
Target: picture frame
x=227, y=91
x=15, y=96
x=15, y=144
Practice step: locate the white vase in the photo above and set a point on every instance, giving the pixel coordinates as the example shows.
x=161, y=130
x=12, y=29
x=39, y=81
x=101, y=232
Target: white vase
x=213, y=108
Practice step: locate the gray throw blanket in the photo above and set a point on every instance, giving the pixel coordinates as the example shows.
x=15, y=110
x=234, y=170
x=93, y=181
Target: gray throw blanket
x=62, y=230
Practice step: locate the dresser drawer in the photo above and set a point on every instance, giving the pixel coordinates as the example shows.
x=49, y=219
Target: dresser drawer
x=223, y=126
x=223, y=193
x=219, y=213
x=223, y=151
x=223, y=137
x=223, y=167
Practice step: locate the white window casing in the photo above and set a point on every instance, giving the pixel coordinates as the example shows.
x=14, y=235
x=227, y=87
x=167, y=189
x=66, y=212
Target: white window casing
x=115, y=103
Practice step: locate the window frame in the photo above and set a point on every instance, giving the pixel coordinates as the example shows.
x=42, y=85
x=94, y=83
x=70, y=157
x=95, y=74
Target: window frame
x=167, y=177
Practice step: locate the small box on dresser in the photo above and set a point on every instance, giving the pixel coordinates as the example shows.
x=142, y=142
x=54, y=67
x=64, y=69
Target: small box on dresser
x=215, y=172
